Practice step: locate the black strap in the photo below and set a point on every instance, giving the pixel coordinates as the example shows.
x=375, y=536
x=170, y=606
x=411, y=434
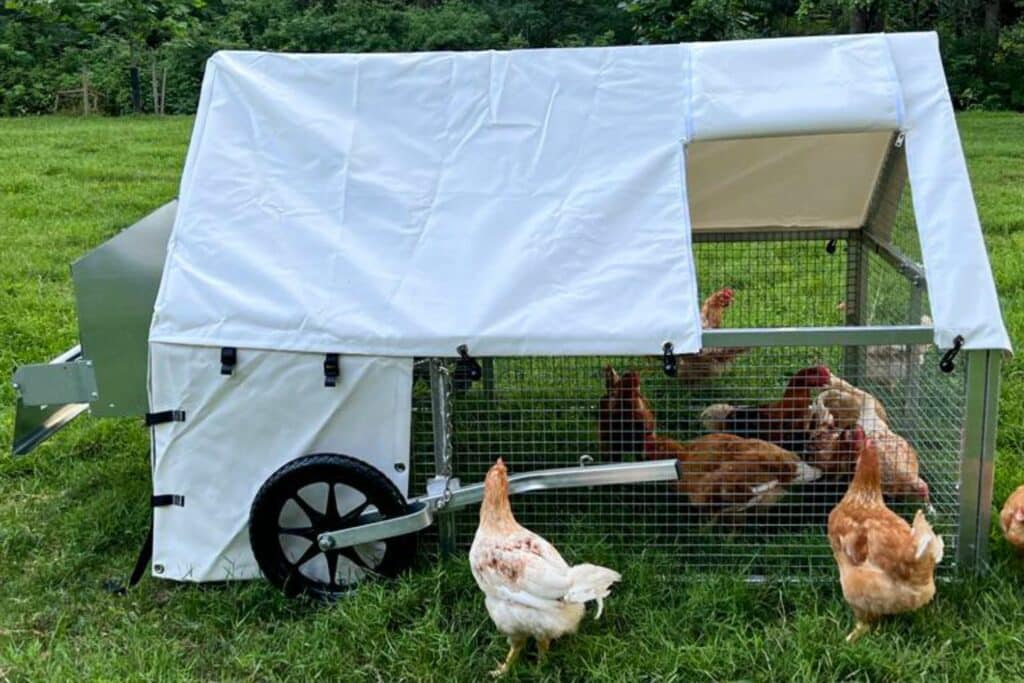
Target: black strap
x=164, y=416
x=115, y=587
x=331, y=370
x=145, y=555
x=228, y=360
x=166, y=499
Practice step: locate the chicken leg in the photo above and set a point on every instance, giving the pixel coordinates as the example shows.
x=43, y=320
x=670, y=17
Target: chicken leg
x=859, y=630
x=542, y=649
x=516, y=646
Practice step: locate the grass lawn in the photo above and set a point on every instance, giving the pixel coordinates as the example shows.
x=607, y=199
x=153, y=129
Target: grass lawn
x=73, y=513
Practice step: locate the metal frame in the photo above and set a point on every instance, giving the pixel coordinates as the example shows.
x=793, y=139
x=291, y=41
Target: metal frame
x=977, y=460
x=441, y=417
x=426, y=508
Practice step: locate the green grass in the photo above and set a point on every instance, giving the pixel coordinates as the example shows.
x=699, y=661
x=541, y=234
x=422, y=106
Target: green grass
x=72, y=514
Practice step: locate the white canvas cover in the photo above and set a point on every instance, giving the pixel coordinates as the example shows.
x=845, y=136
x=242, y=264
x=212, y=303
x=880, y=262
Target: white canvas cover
x=535, y=201
x=528, y=202
x=240, y=428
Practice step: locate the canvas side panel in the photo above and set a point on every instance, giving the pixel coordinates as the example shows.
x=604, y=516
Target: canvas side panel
x=240, y=428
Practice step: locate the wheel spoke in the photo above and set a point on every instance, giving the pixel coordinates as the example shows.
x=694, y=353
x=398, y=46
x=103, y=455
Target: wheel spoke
x=355, y=513
x=332, y=568
x=312, y=551
x=315, y=517
x=306, y=532
x=351, y=555
x=331, y=515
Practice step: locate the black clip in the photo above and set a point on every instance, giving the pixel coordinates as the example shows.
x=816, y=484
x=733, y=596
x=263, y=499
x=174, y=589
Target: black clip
x=668, y=360
x=331, y=370
x=831, y=246
x=946, y=364
x=468, y=367
x=228, y=359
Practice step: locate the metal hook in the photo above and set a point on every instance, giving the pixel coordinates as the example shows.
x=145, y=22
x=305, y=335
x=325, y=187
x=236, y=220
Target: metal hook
x=831, y=246
x=668, y=360
x=946, y=364
x=469, y=365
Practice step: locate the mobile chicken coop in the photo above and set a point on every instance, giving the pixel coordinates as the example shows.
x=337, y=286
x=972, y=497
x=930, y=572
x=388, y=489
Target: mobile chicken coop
x=385, y=271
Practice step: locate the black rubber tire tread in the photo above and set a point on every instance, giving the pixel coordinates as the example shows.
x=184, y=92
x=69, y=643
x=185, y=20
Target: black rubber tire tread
x=310, y=469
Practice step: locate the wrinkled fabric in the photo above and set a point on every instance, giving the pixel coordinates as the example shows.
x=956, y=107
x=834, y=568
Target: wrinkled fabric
x=535, y=202
x=240, y=428
x=961, y=290
x=522, y=203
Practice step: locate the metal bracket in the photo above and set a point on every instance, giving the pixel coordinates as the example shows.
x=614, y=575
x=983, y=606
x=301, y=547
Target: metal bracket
x=35, y=424
x=903, y=264
x=42, y=384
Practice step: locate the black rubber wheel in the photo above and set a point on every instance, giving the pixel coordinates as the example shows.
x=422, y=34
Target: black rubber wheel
x=318, y=493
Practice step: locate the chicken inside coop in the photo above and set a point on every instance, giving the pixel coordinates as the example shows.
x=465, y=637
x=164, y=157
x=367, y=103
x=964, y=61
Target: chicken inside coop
x=842, y=407
x=721, y=472
x=709, y=363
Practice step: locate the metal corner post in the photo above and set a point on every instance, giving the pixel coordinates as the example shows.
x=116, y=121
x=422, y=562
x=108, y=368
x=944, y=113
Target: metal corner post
x=440, y=406
x=978, y=458
x=856, y=299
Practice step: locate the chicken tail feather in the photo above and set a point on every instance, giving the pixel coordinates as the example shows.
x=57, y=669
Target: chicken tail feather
x=714, y=416
x=590, y=582
x=925, y=539
x=805, y=472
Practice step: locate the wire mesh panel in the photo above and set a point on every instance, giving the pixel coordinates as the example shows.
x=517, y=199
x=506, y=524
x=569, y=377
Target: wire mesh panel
x=762, y=511
x=750, y=506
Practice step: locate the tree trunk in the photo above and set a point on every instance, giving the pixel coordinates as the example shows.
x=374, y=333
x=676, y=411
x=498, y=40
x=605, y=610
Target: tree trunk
x=867, y=19
x=85, y=92
x=163, y=91
x=992, y=20
x=136, y=81
x=155, y=83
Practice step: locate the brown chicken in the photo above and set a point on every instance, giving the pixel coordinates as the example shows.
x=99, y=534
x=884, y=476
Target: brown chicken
x=833, y=450
x=1011, y=519
x=886, y=566
x=624, y=416
x=850, y=406
x=787, y=423
x=709, y=363
x=728, y=473
x=721, y=472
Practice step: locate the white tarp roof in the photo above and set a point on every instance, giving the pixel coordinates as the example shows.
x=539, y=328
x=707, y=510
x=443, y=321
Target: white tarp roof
x=535, y=201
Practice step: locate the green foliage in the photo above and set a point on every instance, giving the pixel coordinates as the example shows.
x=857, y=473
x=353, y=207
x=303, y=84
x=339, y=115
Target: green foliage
x=46, y=45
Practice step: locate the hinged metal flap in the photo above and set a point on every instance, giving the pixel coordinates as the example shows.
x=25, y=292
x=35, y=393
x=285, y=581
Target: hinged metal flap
x=56, y=383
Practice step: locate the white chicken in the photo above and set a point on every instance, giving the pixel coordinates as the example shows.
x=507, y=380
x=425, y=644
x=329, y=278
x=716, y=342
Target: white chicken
x=530, y=591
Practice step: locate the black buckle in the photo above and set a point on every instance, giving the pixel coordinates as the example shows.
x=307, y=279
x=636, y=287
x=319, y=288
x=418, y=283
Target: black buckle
x=164, y=416
x=228, y=359
x=669, y=363
x=166, y=499
x=331, y=370
x=946, y=364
